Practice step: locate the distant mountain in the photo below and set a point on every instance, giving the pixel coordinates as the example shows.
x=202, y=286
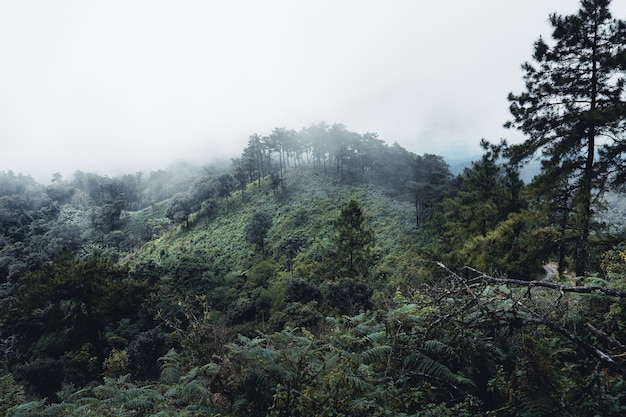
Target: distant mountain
x=459, y=163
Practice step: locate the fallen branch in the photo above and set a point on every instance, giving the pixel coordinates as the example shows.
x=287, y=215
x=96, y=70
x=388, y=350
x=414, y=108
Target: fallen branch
x=558, y=287
x=606, y=360
x=604, y=337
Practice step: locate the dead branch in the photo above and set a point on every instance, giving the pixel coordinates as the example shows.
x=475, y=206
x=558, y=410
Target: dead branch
x=611, y=341
x=558, y=287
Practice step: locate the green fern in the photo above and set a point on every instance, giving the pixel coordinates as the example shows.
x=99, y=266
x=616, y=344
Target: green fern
x=79, y=395
x=430, y=368
x=358, y=383
x=194, y=392
x=210, y=369
x=28, y=409
x=375, y=354
x=56, y=410
x=375, y=337
x=536, y=404
x=437, y=347
x=170, y=368
x=109, y=389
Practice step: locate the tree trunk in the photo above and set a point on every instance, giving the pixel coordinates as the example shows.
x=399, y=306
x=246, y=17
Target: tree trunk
x=582, y=248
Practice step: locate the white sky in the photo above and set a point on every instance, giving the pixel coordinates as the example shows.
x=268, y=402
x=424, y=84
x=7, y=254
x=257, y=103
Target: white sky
x=123, y=86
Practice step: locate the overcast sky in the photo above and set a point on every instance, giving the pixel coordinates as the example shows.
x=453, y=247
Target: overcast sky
x=122, y=86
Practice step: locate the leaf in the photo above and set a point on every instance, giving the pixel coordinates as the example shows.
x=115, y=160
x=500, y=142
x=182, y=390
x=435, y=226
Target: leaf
x=375, y=354
x=437, y=347
x=374, y=337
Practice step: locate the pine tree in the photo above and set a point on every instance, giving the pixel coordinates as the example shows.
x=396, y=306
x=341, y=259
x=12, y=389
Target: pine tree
x=573, y=109
x=257, y=228
x=352, y=240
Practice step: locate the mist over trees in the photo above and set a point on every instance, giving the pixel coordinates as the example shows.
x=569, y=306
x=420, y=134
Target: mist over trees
x=326, y=272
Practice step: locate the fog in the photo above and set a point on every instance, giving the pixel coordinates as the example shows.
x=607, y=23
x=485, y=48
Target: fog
x=122, y=86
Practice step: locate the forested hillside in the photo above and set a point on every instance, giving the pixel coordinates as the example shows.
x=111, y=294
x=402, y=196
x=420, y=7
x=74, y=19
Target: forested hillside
x=324, y=272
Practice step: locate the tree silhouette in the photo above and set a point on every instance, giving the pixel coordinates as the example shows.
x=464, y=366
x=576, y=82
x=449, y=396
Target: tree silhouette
x=256, y=230
x=352, y=241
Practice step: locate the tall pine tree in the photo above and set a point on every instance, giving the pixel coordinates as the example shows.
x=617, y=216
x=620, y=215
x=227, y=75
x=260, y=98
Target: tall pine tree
x=573, y=110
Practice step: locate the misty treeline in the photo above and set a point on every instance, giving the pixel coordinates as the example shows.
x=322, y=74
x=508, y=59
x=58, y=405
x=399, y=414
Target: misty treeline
x=325, y=272
x=351, y=156
x=90, y=212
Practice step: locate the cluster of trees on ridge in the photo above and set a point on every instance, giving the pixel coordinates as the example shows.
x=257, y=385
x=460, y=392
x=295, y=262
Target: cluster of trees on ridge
x=327, y=273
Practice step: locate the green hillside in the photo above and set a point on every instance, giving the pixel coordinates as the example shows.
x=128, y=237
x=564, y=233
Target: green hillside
x=209, y=255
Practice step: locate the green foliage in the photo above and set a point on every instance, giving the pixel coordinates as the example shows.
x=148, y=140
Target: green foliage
x=116, y=364
x=199, y=331
x=11, y=393
x=72, y=302
x=517, y=246
x=352, y=241
x=488, y=194
x=170, y=368
x=298, y=290
x=348, y=296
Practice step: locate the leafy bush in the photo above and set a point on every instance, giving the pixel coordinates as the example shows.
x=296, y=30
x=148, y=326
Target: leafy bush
x=11, y=393
x=348, y=296
x=297, y=290
x=144, y=351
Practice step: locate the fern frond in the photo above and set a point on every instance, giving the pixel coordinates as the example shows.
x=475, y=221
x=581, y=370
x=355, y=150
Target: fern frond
x=433, y=369
x=537, y=404
x=80, y=394
x=170, y=367
x=359, y=406
x=189, y=376
x=27, y=409
x=87, y=401
x=374, y=337
x=375, y=354
x=56, y=410
x=170, y=356
x=170, y=373
x=210, y=369
x=134, y=393
x=106, y=391
x=437, y=347
x=238, y=404
x=194, y=391
x=368, y=326
x=332, y=321
x=139, y=406
x=358, y=383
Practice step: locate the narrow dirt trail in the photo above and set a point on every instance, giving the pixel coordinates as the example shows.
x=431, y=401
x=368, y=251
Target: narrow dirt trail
x=550, y=272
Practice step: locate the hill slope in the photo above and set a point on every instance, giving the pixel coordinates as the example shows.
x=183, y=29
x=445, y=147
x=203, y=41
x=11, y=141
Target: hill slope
x=209, y=255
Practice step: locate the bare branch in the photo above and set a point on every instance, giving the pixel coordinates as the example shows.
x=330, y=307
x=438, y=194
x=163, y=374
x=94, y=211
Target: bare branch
x=605, y=359
x=604, y=337
x=558, y=287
